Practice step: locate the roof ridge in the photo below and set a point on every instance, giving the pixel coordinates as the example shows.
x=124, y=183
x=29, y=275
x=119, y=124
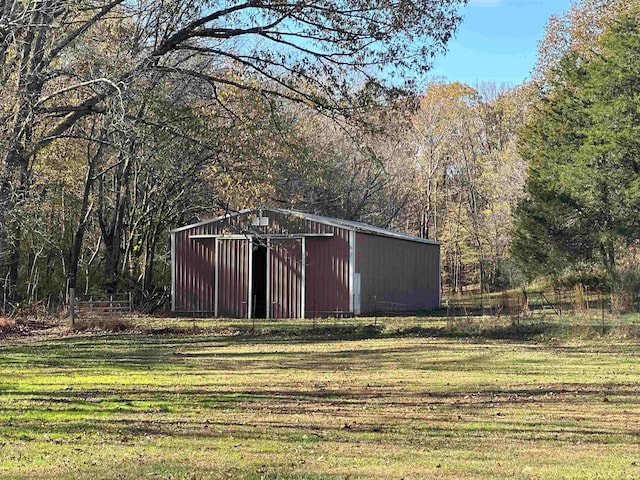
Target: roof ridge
x=331, y=221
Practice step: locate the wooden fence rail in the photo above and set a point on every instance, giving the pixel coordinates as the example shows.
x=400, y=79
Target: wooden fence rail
x=115, y=304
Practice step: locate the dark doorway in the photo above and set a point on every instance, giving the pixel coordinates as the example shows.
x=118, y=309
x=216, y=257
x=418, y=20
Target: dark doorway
x=259, y=281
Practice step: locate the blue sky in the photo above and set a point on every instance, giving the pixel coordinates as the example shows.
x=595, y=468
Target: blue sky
x=497, y=41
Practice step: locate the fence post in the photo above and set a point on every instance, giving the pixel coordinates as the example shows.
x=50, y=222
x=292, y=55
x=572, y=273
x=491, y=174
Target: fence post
x=375, y=311
x=72, y=305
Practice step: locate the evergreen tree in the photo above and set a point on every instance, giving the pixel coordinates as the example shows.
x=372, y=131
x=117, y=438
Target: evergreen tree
x=583, y=148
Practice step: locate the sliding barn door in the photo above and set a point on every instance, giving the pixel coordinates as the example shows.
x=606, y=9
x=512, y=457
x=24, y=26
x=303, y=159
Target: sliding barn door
x=285, y=279
x=233, y=277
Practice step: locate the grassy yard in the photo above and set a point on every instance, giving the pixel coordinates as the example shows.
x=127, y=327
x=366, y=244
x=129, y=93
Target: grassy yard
x=339, y=401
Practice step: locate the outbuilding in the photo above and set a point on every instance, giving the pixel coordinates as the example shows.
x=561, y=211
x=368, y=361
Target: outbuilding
x=276, y=263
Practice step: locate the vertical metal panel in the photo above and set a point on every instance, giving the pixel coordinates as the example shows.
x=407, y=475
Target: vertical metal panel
x=327, y=271
x=398, y=271
x=193, y=273
x=216, y=283
x=285, y=278
x=173, y=272
x=233, y=273
x=356, y=294
x=249, y=282
x=439, y=277
x=303, y=279
x=269, y=282
x=352, y=269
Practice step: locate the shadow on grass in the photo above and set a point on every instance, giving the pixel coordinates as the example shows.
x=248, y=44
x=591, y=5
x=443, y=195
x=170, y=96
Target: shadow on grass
x=538, y=331
x=522, y=332
x=203, y=350
x=29, y=423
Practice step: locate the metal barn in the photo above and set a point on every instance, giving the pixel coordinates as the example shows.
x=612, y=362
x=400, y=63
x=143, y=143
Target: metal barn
x=275, y=263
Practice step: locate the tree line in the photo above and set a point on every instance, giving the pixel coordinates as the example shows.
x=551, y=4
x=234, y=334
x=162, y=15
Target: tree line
x=119, y=119
x=122, y=120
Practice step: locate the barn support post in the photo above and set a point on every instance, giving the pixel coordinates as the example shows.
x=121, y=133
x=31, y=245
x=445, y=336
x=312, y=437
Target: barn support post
x=216, y=279
x=268, y=295
x=249, y=281
x=352, y=267
x=173, y=272
x=303, y=289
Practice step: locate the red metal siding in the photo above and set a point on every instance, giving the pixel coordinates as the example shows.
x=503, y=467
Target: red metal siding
x=194, y=274
x=399, y=271
x=233, y=275
x=285, y=278
x=327, y=272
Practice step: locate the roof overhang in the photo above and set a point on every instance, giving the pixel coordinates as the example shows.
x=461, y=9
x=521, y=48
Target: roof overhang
x=333, y=222
x=247, y=236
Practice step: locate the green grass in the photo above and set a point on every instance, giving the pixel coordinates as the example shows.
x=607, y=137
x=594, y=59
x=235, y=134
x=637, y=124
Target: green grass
x=409, y=398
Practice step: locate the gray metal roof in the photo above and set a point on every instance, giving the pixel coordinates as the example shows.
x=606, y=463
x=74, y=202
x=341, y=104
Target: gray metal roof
x=335, y=222
x=357, y=226
x=215, y=219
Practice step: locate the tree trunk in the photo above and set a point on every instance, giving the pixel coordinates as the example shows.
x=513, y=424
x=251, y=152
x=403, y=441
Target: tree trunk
x=4, y=237
x=85, y=210
x=14, y=185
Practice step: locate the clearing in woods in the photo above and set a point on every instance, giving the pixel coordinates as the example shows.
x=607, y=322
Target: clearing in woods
x=361, y=404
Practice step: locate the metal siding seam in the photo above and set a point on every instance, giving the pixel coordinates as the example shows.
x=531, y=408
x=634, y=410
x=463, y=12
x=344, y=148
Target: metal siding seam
x=228, y=272
x=352, y=266
x=279, y=282
x=235, y=281
x=173, y=272
x=303, y=285
x=439, y=279
x=237, y=277
x=188, y=278
x=268, y=296
x=291, y=281
x=295, y=280
x=216, y=274
x=250, y=275
x=276, y=282
x=182, y=277
x=198, y=279
x=224, y=266
x=209, y=274
x=282, y=282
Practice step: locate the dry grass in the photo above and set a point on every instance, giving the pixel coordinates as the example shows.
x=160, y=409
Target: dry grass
x=104, y=323
x=6, y=323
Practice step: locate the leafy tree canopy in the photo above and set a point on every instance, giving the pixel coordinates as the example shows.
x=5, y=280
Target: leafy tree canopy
x=583, y=150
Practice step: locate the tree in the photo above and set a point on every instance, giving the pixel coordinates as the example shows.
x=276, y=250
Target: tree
x=328, y=55
x=467, y=177
x=583, y=189
x=576, y=31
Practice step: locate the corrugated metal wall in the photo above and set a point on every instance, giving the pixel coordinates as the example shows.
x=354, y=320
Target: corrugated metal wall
x=194, y=274
x=285, y=278
x=233, y=275
x=390, y=269
x=327, y=272
x=399, y=271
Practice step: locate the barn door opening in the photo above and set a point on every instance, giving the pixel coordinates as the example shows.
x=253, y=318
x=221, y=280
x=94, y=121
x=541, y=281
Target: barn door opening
x=259, y=280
